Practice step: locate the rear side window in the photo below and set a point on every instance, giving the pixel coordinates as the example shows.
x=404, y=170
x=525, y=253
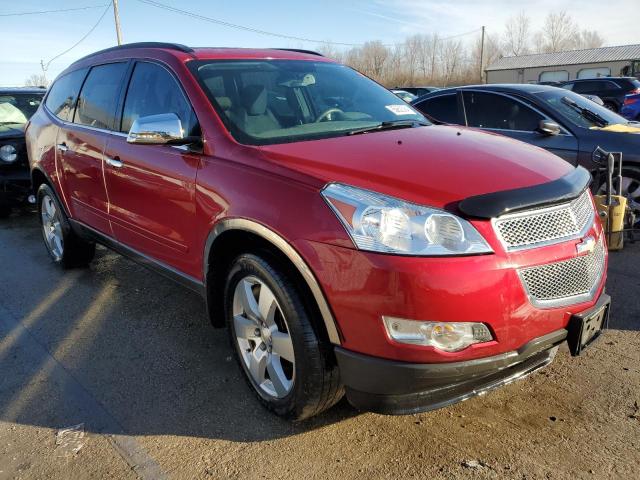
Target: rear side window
x=99, y=95
x=488, y=110
x=153, y=90
x=443, y=108
x=63, y=93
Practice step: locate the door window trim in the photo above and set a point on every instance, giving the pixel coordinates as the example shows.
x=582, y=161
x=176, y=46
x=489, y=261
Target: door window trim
x=563, y=130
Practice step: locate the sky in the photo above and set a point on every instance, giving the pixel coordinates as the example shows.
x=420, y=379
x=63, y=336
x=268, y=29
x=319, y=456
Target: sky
x=28, y=39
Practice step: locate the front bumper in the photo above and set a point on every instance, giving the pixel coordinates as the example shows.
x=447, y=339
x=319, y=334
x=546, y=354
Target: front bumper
x=392, y=387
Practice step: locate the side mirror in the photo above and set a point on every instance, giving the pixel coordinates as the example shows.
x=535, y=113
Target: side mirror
x=157, y=129
x=547, y=127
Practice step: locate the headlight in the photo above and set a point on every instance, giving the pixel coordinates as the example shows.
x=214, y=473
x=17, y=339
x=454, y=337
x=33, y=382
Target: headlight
x=379, y=223
x=8, y=153
x=446, y=336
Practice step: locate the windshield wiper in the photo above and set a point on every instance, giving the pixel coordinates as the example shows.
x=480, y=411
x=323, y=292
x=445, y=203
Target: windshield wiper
x=585, y=112
x=389, y=125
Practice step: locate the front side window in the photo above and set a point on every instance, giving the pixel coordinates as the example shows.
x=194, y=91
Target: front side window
x=499, y=112
x=443, y=108
x=278, y=101
x=17, y=108
x=61, y=99
x=153, y=90
x=99, y=96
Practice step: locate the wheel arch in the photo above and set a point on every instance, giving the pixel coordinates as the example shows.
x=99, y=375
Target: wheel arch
x=233, y=236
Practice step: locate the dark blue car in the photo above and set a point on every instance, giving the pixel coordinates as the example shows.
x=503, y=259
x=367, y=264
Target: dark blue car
x=558, y=120
x=631, y=107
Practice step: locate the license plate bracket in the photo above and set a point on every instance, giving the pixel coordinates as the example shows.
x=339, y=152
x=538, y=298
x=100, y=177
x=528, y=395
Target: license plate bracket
x=586, y=327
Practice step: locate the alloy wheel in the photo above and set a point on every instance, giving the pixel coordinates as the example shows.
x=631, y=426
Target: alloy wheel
x=51, y=227
x=263, y=338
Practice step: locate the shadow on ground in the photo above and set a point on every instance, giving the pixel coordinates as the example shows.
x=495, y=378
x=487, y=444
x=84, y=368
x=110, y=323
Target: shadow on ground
x=120, y=349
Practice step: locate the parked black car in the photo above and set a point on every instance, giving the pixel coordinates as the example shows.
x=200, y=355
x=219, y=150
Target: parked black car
x=610, y=89
x=418, y=91
x=16, y=107
x=558, y=120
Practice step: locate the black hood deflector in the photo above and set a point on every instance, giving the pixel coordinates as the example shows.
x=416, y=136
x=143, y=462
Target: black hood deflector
x=491, y=205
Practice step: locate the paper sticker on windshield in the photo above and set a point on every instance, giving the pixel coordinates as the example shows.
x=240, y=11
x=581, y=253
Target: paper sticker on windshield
x=400, y=109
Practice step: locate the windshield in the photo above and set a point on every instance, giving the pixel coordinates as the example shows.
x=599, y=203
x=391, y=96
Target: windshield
x=278, y=101
x=570, y=105
x=17, y=108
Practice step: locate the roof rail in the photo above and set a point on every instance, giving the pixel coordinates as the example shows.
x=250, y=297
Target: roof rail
x=300, y=50
x=165, y=45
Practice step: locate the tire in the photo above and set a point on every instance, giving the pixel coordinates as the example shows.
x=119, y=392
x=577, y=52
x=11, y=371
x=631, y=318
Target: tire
x=65, y=247
x=310, y=383
x=611, y=106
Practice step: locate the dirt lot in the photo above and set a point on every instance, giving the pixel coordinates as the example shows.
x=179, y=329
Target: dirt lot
x=132, y=357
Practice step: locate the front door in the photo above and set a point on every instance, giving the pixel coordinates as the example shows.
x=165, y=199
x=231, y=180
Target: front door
x=514, y=118
x=151, y=188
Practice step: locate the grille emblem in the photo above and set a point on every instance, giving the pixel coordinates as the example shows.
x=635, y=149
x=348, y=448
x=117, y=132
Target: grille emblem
x=586, y=246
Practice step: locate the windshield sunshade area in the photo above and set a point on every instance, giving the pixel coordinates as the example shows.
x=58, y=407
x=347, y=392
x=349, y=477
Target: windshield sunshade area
x=279, y=101
x=18, y=108
x=581, y=110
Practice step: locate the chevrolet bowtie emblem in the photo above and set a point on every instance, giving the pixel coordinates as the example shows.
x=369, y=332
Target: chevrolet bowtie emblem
x=586, y=245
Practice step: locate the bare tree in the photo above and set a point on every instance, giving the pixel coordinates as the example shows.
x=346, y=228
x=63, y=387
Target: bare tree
x=451, y=56
x=330, y=51
x=589, y=39
x=374, y=55
x=518, y=34
x=558, y=33
x=36, y=80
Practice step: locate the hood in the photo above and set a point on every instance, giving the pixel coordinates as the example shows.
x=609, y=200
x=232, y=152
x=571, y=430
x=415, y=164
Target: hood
x=435, y=165
x=11, y=130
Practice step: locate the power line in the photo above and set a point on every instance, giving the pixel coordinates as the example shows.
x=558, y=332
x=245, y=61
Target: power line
x=50, y=11
x=45, y=66
x=264, y=32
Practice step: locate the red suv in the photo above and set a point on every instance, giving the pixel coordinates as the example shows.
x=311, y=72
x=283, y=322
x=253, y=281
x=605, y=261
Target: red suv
x=348, y=245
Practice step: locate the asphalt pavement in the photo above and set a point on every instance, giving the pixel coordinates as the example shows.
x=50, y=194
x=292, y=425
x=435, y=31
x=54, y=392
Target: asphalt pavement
x=115, y=372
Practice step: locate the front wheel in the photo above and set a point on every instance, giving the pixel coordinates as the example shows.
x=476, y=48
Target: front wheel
x=65, y=247
x=276, y=346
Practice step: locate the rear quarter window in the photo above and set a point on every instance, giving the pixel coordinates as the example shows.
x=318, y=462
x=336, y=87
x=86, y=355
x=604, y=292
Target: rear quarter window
x=63, y=94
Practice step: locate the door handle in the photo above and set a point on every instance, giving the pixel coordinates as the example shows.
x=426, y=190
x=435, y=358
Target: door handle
x=114, y=162
x=62, y=147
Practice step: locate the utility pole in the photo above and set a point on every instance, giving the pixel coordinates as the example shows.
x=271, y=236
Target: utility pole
x=482, y=55
x=116, y=15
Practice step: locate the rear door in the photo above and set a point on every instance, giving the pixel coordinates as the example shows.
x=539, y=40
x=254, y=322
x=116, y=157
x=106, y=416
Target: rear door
x=515, y=118
x=151, y=188
x=81, y=144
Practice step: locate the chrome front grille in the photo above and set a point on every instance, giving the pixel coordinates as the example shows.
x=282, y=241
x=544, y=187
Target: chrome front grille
x=567, y=282
x=545, y=226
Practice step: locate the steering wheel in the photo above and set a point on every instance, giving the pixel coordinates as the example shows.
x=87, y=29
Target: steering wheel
x=326, y=114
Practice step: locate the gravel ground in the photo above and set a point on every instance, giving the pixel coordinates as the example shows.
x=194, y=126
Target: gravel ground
x=131, y=358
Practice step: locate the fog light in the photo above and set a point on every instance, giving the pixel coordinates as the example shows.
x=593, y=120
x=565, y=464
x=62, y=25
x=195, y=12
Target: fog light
x=447, y=336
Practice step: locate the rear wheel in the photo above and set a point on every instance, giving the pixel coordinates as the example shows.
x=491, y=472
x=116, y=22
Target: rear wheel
x=611, y=106
x=65, y=247
x=276, y=346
